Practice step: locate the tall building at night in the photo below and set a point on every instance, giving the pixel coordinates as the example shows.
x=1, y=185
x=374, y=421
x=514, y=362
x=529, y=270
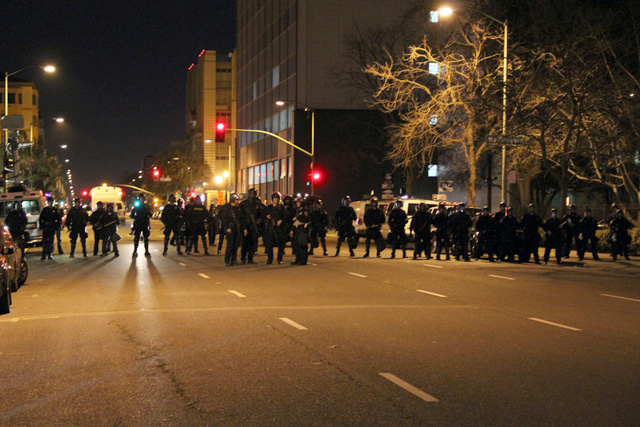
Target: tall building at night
x=23, y=100
x=290, y=50
x=211, y=88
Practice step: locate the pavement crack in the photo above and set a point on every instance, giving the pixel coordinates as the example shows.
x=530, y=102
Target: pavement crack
x=152, y=354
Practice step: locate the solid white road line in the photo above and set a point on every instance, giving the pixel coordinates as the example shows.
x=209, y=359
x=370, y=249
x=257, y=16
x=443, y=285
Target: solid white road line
x=358, y=275
x=555, y=324
x=431, y=293
x=433, y=266
x=408, y=387
x=182, y=264
x=624, y=298
x=238, y=294
x=204, y=276
x=501, y=277
x=292, y=323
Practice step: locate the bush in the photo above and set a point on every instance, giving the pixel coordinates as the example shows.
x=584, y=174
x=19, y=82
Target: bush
x=605, y=246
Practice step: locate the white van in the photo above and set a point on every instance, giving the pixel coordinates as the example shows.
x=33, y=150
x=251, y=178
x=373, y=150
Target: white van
x=32, y=204
x=106, y=194
x=410, y=206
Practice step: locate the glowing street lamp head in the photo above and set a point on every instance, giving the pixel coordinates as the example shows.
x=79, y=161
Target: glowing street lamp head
x=218, y=179
x=49, y=68
x=225, y=174
x=445, y=11
x=60, y=119
x=280, y=103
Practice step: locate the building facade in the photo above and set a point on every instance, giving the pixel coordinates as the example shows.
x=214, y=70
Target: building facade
x=211, y=88
x=23, y=100
x=291, y=51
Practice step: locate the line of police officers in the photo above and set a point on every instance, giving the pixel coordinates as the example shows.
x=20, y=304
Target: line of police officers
x=304, y=222
x=500, y=235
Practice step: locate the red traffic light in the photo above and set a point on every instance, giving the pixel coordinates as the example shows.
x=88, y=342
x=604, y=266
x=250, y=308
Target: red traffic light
x=316, y=176
x=221, y=131
x=156, y=173
x=84, y=193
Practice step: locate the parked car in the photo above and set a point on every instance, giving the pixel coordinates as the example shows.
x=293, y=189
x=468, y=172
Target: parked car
x=14, y=257
x=5, y=287
x=32, y=204
x=410, y=206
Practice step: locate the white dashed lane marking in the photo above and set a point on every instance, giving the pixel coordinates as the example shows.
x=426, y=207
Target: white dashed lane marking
x=433, y=266
x=238, y=294
x=182, y=264
x=624, y=298
x=292, y=323
x=204, y=276
x=501, y=277
x=358, y=275
x=408, y=387
x=571, y=328
x=431, y=293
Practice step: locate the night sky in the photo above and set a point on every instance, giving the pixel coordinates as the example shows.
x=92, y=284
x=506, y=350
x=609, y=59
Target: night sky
x=121, y=73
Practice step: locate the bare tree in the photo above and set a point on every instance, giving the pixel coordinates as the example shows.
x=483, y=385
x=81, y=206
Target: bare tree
x=444, y=97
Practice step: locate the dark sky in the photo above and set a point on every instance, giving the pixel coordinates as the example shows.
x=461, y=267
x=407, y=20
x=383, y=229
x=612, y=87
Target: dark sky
x=121, y=73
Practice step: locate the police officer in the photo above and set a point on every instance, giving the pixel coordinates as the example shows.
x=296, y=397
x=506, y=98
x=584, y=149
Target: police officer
x=289, y=206
x=460, y=224
x=234, y=224
x=345, y=215
x=251, y=214
x=485, y=226
x=141, y=215
x=221, y=230
x=587, y=235
x=441, y=222
x=300, y=234
x=553, y=234
x=373, y=220
x=570, y=228
x=275, y=215
x=94, y=219
x=397, y=235
x=318, y=222
x=507, y=230
x=109, y=225
x=619, y=236
x=49, y=222
x=171, y=218
x=530, y=224
x=17, y=222
x=421, y=228
x=77, y=220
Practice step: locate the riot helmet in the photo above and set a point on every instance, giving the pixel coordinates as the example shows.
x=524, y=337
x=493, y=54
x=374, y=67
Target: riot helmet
x=172, y=198
x=346, y=200
x=252, y=193
x=399, y=204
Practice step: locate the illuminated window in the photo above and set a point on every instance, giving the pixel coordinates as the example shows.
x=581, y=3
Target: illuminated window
x=434, y=16
x=275, y=78
x=432, y=171
x=434, y=68
x=433, y=120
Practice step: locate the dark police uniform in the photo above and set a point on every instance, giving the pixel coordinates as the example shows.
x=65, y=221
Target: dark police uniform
x=373, y=220
x=486, y=227
x=397, y=221
x=530, y=224
x=301, y=236
x=460, y=224
x=421, y=228
x=553, y=238
x=570, y=227
x=619, y=236
x=251, y=213
x=318, y=222
x=17, y=222
x=141, y=225
x=441, y=222
x=49, y=222
x=195, y=218
x=94, y=219
x=233, y=223
x=109, y=224
x=587, y=235
x=275, y=233
x=172, y=220
x=507, y=229
x=345, y=215
x=77, y=220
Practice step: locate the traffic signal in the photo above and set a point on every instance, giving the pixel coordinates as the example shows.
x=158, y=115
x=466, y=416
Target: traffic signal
x=316, y=177
x=155, y=174
x=221, y=131
x=84, y=193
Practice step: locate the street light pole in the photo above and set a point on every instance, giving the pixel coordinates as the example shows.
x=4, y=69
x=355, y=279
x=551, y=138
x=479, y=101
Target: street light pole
x=448, y=11
x=313, y=135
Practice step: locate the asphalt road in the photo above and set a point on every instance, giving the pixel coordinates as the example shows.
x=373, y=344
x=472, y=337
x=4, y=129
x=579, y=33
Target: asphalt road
x=184, y=340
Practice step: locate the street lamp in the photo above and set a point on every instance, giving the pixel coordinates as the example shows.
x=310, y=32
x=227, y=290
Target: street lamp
x=313, y=130
x=445, y=11
x=57, y=119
